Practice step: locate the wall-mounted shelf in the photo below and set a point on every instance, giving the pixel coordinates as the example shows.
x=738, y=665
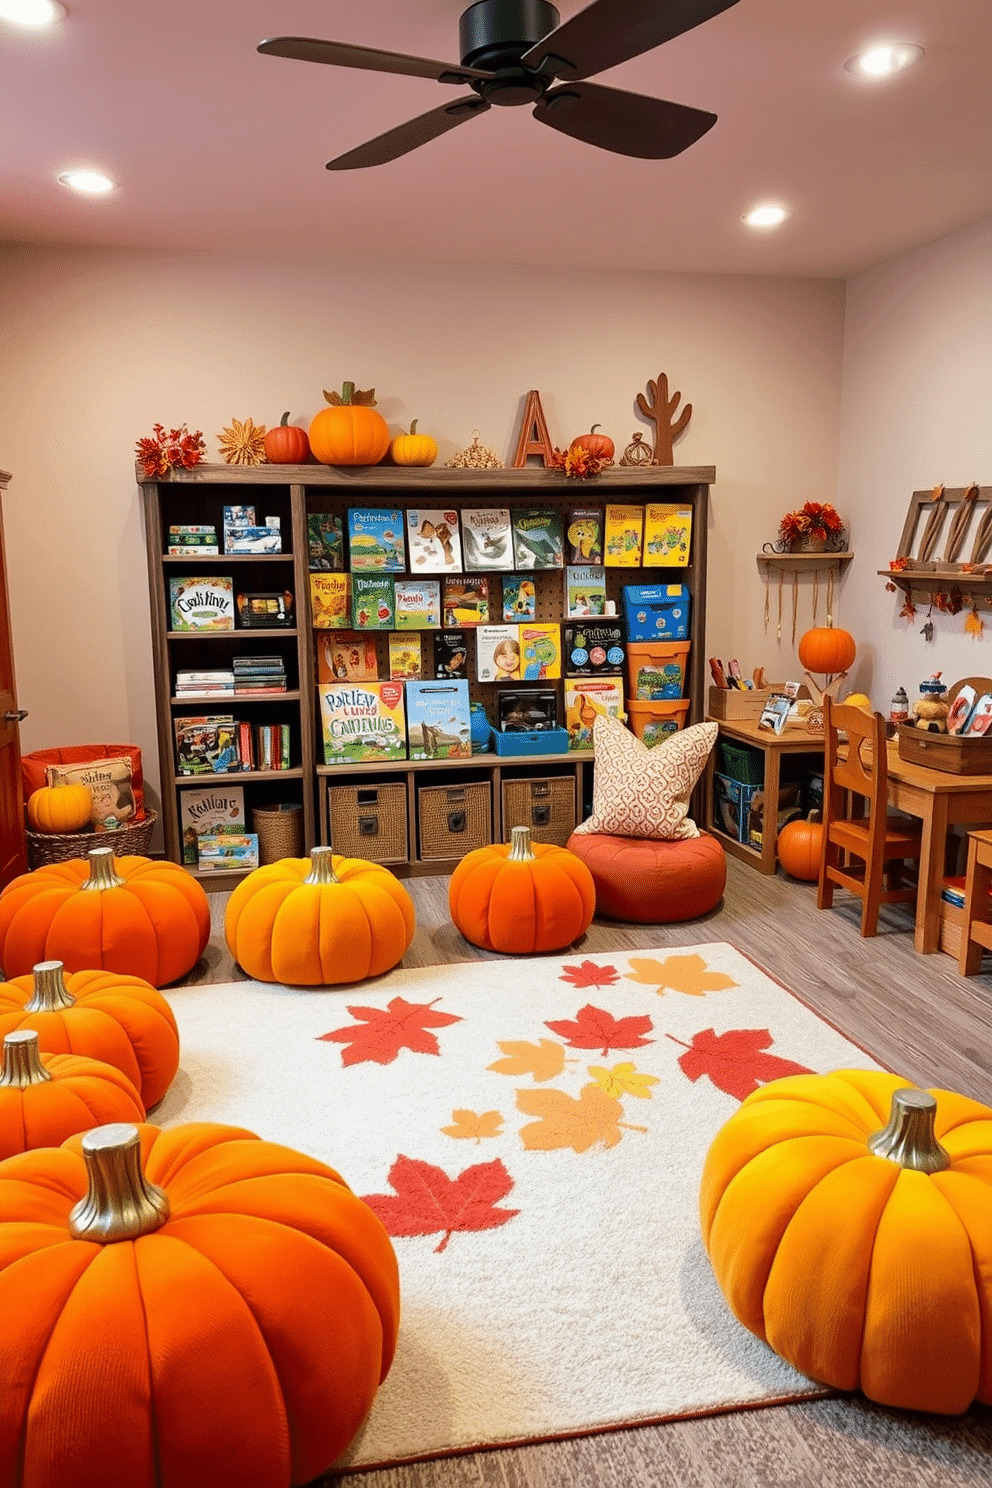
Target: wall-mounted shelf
x=975, y=586
x=804, y=561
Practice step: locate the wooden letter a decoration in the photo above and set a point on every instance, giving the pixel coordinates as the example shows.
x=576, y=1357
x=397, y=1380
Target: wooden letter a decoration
x=534, y=438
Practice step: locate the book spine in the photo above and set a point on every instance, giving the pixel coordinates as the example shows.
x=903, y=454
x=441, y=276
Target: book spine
x=245, y=744
x=264, y=747
x=284, y=755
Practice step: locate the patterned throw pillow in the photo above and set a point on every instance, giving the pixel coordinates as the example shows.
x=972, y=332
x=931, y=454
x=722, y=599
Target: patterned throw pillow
x=642, y=792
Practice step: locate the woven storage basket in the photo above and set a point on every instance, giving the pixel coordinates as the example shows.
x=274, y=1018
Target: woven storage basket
x=369, y=821
x=454, y=819
x=280, y=832
x=546, y=805
x=59, y=847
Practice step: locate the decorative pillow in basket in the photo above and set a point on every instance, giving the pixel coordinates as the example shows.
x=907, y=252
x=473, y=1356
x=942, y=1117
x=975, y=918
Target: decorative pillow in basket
x=644, y=792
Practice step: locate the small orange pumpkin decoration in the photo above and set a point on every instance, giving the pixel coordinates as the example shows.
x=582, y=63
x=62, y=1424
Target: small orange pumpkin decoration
x=230, y=1304
x=320, y=921
x=45, y=1098
x=59, y=808
x=286, y=444
x=800, y=844
x=600, y=446
x=827, y=649
x=120, y=1020
x=140, y=916
x=349, y=431
x=522, y=896
x=413, y=448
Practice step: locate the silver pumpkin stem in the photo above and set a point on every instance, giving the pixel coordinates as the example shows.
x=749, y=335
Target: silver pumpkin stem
x=520, y=848
x=121, y=1203
x=22, y=1064
x=321, y=867
x=909, y=1138
x=103, y=874
x=49, y=991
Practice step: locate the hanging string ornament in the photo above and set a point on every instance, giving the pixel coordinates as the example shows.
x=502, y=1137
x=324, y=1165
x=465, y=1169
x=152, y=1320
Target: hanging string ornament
x=637, y=452
x=474, y=456
x=243, y=443
x=927, y=630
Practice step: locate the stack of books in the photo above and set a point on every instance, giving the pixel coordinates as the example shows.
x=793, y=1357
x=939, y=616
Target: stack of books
x=205, y=684
x=193, y=542
x=259, y=676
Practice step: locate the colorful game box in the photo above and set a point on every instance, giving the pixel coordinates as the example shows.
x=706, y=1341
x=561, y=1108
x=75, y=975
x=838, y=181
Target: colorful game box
x=624, y=536
x=418, y=604
x=372, y=603
x=538, y=539
x=375, y=539
x=667, y=536
x=438, y=720
x=497, y=653
x=540, y=652
x=434, y=540
x=362, y=722
x=584, y=535
x=220, y=851
x=656, y=612
x=346, y=656
x=519, y=598
x=215, y=809
x=325, y=542
x=583, y=700
x=585, y=591
x=465, y=601
x=204, y=603
x=450, y=654
x=405, y=657
x=487, y=535
x=330, y=606
x=594, y=649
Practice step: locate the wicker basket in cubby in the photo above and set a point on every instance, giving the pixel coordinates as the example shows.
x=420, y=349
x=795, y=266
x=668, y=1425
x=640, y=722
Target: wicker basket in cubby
x=59, y=847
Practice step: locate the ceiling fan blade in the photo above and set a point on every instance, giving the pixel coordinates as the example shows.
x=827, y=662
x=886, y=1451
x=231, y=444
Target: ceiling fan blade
x=626, y=123
x=409, y=136
x=612, y=31
x=341, y=54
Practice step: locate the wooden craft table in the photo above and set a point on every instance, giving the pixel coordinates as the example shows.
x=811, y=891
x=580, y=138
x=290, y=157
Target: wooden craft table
x=773, y=747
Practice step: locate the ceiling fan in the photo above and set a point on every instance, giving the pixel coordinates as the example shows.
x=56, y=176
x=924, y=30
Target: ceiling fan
x=513, y=52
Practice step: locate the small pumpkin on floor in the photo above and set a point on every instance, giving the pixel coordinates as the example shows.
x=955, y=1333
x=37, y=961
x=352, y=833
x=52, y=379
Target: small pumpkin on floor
x=45, y=1098
x=120, y=1020
x=205, y=1307
x=319, y=921
x=848, y=1219
x=522, y=897
x=800, y=845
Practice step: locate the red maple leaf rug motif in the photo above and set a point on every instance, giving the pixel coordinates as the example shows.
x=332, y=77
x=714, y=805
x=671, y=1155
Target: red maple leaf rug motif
x=735, y=1061
x=595, y=1028
x=428, y=1202
x=588, y=974
x=381, y=1033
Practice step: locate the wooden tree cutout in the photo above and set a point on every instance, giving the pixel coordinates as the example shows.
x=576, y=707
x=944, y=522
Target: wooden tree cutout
x=534, y=438
x=659, y=412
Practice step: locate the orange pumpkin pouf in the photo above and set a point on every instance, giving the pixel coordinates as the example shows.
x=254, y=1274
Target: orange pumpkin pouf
x=120, y=1020
x=653, y=883
x=319, y=921
x=521, y=897
x=45, y=1098
x=138, y=916
x=848, y=1219
x=204, y=1308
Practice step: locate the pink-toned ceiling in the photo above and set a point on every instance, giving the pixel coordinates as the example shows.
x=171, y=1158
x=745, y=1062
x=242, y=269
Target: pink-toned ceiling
x=216, y=147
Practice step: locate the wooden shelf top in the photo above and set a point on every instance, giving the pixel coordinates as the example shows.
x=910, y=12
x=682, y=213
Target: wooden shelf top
x=239, y=633
x=380, y=767
x=199, y=559
x=212, y=777
x=804, y=560
x=530, y=477
x=937, y=577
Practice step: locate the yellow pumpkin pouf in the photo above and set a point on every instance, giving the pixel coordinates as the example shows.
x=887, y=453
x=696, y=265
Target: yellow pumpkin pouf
x=523, y=897
x=185, y=1307
x=848, y=1219
x=319, y=921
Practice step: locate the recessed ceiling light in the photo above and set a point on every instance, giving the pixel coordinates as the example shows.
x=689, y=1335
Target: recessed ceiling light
x=87, y=180
x=31, y=12
x=884, y=59
x=769, y=215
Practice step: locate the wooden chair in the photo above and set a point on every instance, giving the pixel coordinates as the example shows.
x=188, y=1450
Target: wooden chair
x=856, y=822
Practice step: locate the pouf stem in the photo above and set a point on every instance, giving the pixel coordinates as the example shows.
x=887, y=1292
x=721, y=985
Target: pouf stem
x=22, y=1064
x=520, y=848
x=909, y=1138
x=121, y=1203
x=49, y=991
x=321, y=867
x=103, y=874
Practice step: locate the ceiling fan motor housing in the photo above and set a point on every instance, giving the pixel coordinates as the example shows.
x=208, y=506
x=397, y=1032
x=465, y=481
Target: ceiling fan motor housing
x=496, y=33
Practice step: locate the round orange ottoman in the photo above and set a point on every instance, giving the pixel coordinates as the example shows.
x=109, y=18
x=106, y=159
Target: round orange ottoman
x=653, y=882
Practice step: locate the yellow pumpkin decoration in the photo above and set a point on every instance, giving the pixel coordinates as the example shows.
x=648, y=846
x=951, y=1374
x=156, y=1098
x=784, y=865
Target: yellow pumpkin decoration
x=59, y=808
x=413, y=448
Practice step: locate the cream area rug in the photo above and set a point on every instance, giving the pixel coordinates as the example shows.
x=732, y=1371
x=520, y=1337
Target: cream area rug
x=532, y=1133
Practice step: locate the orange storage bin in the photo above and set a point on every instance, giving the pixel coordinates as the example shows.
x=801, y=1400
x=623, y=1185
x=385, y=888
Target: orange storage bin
x=652, y=722
x=656, y=670
x=34, y=766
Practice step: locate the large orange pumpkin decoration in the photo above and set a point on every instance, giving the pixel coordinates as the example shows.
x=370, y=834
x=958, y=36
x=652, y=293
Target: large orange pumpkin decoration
x=205, y=1310
x=286, y=444
x=320, y=921
x=522, y=897
x=59, y=808
x=349, y=431
x=140, y=916
x=600, y=446
x=800, y=844
x=848, y=1218
x=120, y=1020
x=45, y=1098
x=827, y=649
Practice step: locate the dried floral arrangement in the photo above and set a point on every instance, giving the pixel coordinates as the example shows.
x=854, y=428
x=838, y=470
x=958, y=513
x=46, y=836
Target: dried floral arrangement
x=816, y=519
x=169, y=449
x=576, y=462
x=242, y=443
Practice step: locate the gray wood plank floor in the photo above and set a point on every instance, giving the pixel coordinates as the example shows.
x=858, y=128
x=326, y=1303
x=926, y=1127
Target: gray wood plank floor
x=914, y=1014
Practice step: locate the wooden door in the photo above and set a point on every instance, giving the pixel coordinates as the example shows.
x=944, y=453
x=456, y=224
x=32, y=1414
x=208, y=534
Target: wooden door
x=13, y=855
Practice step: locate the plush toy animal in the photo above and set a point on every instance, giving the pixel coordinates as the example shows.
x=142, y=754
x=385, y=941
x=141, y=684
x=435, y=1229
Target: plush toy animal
x=930, y=714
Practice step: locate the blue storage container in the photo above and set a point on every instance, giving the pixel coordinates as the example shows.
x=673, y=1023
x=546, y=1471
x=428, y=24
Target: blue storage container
x=535, y=741
x=656, y=612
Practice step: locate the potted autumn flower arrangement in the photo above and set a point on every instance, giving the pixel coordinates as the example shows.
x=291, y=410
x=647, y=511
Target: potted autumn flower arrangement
x=812, y=529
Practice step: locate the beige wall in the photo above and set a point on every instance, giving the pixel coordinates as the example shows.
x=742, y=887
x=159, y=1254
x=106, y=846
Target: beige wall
x=917, y=410
x=97, y=346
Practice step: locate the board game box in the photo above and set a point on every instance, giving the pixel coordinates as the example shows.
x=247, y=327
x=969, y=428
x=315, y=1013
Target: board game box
x=345, y=656
x=418, y=603
x=624, y=536
x=667, y=536
x=330, y=601
x=375, y=539
x=450, y=654
x=519, y=598
x=405, y=657
x=497, y=655
x=372, y=602
x=540, y=652
x=538, y=539
x=594, y=649
x=487, y=536
x=585, y=591
x=465, y=601
x=325, y=541
x=204, y=603
x=584, y=535
x=215, y=809
x=584, y=699
x=434, y=540
x=362, y=722
x=438, y=720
